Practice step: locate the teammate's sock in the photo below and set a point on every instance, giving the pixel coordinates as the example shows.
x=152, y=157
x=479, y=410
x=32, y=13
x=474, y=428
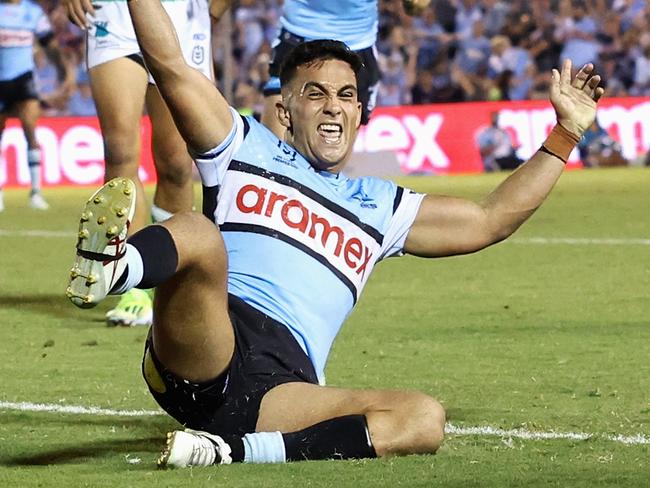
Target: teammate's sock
x=339, y=438
x=151, y=258
x=34, y=162
x=159, y=214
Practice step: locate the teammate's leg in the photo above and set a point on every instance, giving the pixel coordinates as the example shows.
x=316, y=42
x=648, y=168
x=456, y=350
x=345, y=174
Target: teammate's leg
x=173, y=163
x=118, y=88
x=28, y=111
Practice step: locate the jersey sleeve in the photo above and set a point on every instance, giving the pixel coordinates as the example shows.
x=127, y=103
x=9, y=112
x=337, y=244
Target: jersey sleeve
x=405, y=209
x=213, y=164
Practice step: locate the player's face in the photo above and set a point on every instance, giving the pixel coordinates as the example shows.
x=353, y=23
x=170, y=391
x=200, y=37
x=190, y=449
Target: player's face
x=324, y=113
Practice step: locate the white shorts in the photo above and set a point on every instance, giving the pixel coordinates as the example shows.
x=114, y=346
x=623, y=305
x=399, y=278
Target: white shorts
x=111, y=35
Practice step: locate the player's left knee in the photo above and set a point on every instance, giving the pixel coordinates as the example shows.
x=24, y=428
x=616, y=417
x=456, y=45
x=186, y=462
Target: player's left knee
x=175, y=170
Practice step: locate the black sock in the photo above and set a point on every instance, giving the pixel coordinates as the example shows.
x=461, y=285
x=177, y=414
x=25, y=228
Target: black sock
x=339, y=438
x=159, y=255
x=236, y=449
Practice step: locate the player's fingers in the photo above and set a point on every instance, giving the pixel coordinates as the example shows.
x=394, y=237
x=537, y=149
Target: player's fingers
x=600, y=91
x=582, y=76
x=555, y=83
x=88, y=7
x=565, y=74
x=76, y=17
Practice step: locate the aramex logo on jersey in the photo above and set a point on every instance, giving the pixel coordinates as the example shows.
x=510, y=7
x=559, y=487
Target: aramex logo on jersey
x=324, y=231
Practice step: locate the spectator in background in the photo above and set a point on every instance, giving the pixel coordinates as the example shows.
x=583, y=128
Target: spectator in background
x=577, y=32
x=496, y=147
x=598, y=149
x=430, y=37
x=641, y=86
x=51, y=92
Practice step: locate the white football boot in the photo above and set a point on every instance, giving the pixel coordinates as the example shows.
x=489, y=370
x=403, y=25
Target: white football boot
x=101, y=242
x=186, y=448
x=37, y=201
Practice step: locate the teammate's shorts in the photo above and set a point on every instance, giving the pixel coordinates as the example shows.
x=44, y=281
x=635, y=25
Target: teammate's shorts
x=17, y=90
x=368, y=75
x=111, y=35
x=266, y=355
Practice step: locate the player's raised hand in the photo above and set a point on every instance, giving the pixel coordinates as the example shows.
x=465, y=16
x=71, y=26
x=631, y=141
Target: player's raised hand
x=574, y=99
x=77, y=9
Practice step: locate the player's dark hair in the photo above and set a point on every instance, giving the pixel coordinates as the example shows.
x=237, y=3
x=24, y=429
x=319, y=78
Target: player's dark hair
x=310, y=52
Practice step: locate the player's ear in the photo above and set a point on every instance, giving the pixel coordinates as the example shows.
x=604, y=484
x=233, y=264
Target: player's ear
x=359, y=112
x=283, y=115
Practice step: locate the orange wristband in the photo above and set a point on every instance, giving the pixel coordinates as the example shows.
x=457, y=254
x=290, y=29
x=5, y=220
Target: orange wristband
x=559, y=143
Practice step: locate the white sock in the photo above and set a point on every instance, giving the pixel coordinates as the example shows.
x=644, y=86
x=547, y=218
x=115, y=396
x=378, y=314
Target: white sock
x=134, y=269
x=264, y=447
x=34, y=162
x=159, y=214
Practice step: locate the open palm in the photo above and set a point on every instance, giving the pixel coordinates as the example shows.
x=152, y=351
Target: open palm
x=574, y=99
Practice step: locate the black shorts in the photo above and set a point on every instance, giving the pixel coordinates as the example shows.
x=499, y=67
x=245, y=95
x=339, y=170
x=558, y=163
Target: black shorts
x=17, y=90
x=266, y=355
x=368, y=75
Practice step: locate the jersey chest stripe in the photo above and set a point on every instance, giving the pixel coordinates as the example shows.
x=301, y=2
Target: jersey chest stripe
x=258, y=229
x=308, y=192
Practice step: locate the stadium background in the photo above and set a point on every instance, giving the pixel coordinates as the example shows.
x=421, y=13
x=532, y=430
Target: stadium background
x=495, y=52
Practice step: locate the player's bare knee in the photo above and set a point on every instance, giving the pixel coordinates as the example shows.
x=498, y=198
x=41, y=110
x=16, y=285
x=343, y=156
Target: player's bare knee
x=176, y=172
x=427, y=424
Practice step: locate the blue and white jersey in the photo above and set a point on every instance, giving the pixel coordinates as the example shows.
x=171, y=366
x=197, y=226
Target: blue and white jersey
x=20, y=23
x=301, y=243
x=354, y=22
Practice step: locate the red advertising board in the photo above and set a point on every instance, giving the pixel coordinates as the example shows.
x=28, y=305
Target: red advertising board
x=439, y=139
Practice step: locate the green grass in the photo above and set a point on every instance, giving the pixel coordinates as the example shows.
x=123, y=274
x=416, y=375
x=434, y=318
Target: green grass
x=552, y=337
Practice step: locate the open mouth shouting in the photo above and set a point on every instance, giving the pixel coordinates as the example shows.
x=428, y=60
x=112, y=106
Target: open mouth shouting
x=331, y=133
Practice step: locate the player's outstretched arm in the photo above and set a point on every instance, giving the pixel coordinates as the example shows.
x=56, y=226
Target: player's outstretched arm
x=200, y=112
x=445, y=226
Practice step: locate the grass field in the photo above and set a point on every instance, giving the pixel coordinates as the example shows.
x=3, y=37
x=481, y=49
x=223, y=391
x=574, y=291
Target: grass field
x=546, y=333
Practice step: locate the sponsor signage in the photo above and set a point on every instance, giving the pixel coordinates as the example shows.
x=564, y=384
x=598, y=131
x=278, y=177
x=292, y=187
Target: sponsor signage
x=426, y=139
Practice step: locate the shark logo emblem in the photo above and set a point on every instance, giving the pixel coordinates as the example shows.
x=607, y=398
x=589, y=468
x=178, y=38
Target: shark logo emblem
x=101, y=29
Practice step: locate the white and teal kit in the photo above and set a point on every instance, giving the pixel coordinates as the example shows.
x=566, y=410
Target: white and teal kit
x=301, y=243
x=20, y=25
x=354, y=22
x=111, y=35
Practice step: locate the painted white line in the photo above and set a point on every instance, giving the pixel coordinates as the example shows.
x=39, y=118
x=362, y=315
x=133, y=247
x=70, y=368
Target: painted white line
x=580, y=241
x=74, y=409
x=630, y=440
x=36, y=233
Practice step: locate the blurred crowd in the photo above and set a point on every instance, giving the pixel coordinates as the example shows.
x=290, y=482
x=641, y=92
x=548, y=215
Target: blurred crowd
x=457, y=50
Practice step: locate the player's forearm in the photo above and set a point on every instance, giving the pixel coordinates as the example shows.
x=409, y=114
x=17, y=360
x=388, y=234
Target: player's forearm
x=517, y=198
x=157, y=39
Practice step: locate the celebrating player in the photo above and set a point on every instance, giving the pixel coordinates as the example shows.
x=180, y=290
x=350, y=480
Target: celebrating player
x=22, y=21
x=246, y=312
x=121, y=87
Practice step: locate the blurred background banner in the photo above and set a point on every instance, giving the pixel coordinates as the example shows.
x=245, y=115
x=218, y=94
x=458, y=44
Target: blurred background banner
x=418, y=139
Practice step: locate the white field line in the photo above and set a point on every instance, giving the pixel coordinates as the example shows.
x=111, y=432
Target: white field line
x=571, y=241
x=630, y=440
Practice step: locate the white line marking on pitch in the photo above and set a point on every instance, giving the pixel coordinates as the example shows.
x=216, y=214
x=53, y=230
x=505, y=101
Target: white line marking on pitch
x=35, y=233
x=631, y=440
x=571, y=241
